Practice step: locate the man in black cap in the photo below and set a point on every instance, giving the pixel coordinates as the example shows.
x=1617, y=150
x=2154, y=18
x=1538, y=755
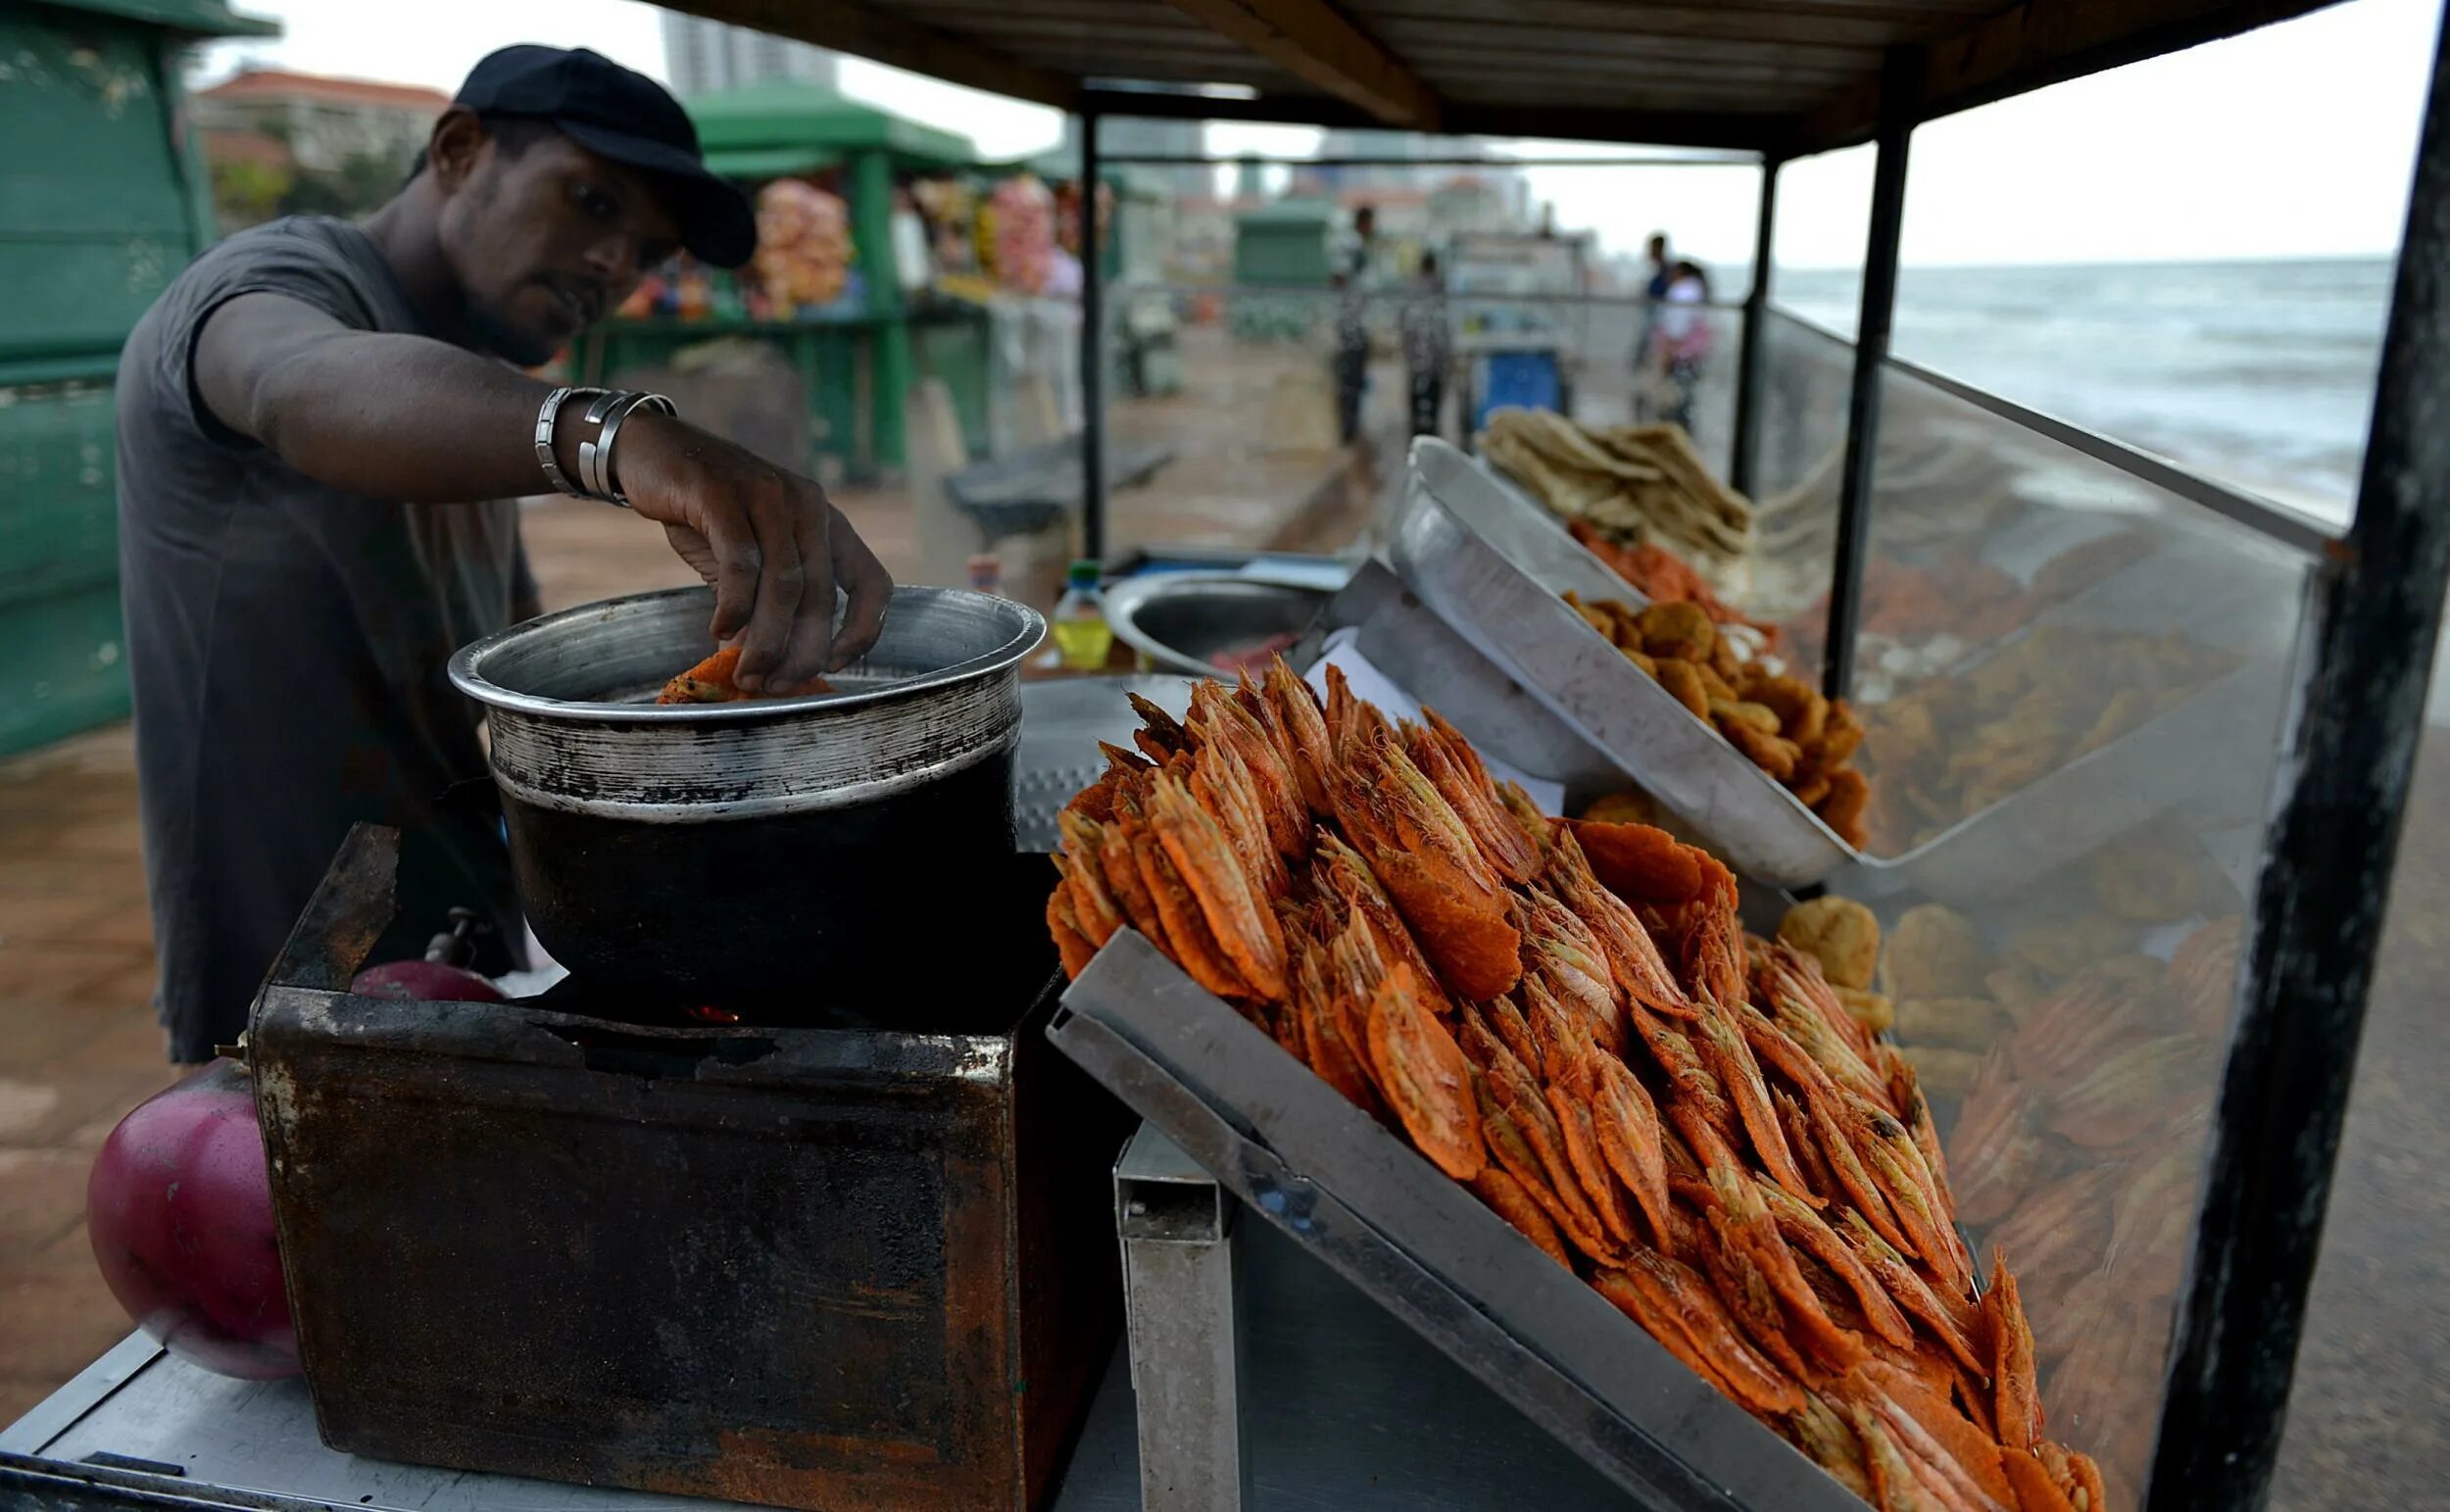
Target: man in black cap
x=322, y=426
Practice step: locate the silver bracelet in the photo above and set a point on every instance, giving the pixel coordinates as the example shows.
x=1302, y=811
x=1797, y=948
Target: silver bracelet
x=595, y=457
x=548, y=419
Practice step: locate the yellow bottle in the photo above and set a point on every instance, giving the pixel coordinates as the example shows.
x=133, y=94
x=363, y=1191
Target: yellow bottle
x=1081, y=634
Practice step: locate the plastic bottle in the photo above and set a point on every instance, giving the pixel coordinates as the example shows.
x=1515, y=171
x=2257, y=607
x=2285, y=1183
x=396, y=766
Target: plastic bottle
x=1081, y=632
x=987, y=575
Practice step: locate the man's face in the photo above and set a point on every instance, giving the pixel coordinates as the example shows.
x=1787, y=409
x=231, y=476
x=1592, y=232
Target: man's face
x=546, y=240
x=1658, y=252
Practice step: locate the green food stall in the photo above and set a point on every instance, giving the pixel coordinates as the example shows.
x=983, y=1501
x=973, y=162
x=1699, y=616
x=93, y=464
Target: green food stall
x=102, y=201
x=856, y=359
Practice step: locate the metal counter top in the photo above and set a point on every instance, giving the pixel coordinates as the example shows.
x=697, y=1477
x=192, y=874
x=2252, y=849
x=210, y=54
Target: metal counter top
x=1346, y=1409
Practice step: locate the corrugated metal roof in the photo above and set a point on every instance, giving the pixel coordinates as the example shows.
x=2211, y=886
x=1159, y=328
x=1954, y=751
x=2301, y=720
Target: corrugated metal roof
x=1779, y=77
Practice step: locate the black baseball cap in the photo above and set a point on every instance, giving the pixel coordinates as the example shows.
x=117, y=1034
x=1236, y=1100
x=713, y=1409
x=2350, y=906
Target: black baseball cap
x=620, y=114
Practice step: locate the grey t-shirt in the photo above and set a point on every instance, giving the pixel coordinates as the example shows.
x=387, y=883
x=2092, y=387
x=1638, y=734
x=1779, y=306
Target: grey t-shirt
x=287, y=644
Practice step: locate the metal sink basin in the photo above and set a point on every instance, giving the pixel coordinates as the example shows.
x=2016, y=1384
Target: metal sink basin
x=1179, y=620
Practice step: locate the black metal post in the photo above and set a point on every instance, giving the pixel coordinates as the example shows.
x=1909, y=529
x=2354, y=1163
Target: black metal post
x=1091, y=349
x=2351, y=746
x=1901, y=95
x=1744, y=459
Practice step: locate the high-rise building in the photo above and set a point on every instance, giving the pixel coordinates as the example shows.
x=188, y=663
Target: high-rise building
x=705, y=56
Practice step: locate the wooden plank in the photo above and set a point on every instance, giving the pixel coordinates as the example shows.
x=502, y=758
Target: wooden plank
x=2039, y=44
x=1020, y=35
x=891, y=39
x=1867, y=25
x=1314, y=42
x=1412, y=37
x=1444, y=66
x=1731, y=129
x=1656, y=95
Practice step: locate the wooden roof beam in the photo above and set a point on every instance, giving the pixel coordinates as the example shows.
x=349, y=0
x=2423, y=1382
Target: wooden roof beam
x=1314, y=42
x=881, y=37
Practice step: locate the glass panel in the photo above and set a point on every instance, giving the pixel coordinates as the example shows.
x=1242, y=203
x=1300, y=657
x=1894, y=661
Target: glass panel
x=1509, y=276
x=1805, y=396
x=2363, y=1431
x=2072, y=687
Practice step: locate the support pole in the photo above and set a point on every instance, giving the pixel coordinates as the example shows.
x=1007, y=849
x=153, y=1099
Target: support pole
x=1743, y=458
x=1182, y=1293
x=2350, y=748
x=1091, y=349
x=1900, y=88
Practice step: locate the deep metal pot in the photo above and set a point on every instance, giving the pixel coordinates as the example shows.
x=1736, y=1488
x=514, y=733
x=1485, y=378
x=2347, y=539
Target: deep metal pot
x=788, y=854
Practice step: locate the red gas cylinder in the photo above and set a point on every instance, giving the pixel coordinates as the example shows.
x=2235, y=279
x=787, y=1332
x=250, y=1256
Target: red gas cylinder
x=443, y=976
x=180, y=1209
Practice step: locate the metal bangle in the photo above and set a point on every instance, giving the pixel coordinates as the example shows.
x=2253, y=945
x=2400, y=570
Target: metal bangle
x=547, y=421
x=591, y=451
x=606, y=472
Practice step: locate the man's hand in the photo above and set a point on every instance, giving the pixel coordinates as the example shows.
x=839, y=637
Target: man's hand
x=451, y=427
x=770, y=543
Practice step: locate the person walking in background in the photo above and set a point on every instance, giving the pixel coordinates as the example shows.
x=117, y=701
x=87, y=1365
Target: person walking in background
x=1427, y=346
x=1654, y=294
x=1681, y=342
x=1352, y=332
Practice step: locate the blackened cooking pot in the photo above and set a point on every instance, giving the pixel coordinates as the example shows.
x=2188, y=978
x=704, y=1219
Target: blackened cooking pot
x=788, y=852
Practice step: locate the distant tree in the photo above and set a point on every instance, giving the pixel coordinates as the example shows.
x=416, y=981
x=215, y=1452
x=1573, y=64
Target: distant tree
x=362, y=181
x=248, y=193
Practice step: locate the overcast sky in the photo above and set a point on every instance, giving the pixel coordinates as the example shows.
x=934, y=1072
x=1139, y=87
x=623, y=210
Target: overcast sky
x=2295, y=141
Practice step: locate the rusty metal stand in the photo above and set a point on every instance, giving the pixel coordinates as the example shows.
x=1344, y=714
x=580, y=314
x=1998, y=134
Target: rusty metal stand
x=1182, y=1298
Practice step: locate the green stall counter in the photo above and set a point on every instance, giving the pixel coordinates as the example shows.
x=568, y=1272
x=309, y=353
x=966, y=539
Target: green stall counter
x=102, y=202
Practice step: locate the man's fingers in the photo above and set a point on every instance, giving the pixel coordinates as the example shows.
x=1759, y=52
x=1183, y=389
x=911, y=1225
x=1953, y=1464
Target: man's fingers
x=812, y=628
x=732, y=568
x=781, y=581
x=856, y=569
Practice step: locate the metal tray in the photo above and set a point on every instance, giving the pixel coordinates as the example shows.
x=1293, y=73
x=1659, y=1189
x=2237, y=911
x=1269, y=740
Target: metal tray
x=1419, y=1244
x=1494, y=565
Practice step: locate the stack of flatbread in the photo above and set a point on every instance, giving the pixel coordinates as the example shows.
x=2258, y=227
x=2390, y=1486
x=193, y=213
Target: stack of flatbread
x=1636, y=483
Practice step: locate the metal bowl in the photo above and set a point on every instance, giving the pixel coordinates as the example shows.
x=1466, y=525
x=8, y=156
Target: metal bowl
x=1178, y=620
x=757, y=850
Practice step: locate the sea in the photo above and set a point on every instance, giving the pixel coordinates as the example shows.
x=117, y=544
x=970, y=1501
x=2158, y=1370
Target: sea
x=2260, y=373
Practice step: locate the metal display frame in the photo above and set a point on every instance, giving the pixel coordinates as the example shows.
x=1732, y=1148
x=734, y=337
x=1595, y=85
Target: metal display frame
x=1419, y=1244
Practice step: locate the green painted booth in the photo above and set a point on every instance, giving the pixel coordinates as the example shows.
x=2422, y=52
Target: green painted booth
x=857, y=365
x=102, y=201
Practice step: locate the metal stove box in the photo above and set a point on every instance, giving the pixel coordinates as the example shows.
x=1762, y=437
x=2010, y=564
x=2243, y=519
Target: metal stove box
x=814, y=1268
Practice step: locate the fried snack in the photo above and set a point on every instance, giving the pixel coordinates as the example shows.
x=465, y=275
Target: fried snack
x=2148, y=880
x=711, y=682
x=1781, y=724
x=1875, y=1011
x=1944, y=1072
x=1687, y=1115
x=1632, y=806
x=1951, y=1023
x=1683, y=679
x=1842, y=935
x=2065, y=947
x=2036, y=706
x=1933, y=951
x=1663, y=576
x=1631, y=485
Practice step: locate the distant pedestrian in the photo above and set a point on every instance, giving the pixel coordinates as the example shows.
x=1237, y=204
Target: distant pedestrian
x=1684, y=339
x=1427, y=346
x=1352, y=332
x=1654, y=294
